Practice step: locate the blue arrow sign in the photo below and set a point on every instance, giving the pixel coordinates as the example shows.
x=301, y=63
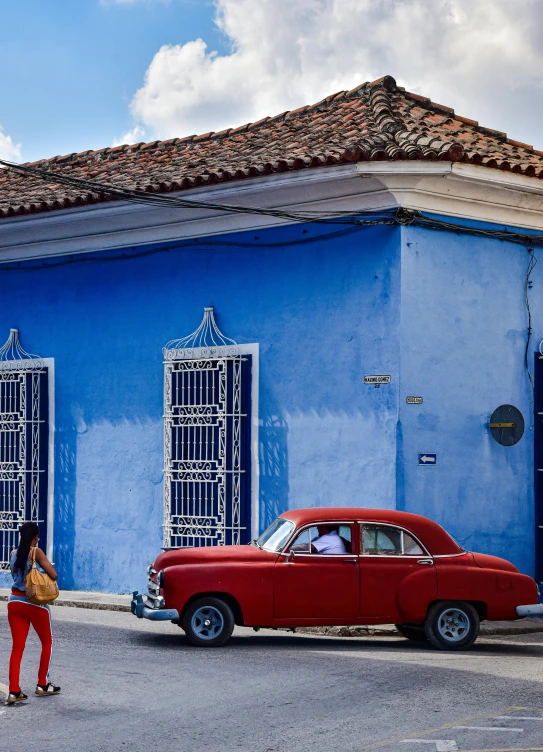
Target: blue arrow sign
x=427, y=458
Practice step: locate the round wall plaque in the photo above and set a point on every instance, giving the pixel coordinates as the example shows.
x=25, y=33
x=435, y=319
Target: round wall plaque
x=507, y=425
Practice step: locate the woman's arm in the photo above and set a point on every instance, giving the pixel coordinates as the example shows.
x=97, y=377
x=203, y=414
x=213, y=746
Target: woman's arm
x=45, y=564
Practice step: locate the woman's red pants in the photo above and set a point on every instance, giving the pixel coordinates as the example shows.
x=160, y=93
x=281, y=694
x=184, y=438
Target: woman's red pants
x=20, y=616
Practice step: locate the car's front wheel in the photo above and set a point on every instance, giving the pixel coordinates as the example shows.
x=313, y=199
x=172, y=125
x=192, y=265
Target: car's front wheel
x=452, y=625
x=414, y=632
x=208, y=622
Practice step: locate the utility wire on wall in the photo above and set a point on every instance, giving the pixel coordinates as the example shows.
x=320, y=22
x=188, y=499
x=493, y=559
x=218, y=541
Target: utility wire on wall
x=94, y=257
x=527, y=287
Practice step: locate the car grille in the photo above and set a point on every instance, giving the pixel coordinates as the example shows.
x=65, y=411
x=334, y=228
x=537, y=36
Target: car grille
x=154, y=599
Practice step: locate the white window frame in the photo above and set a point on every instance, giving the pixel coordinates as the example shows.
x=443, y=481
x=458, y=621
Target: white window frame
x=253, y=349
x=48, y=363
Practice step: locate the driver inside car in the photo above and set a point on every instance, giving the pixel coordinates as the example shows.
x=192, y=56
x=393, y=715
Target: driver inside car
x=328, y=541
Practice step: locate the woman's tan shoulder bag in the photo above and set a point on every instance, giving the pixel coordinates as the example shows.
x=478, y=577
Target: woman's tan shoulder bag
x=40, y=588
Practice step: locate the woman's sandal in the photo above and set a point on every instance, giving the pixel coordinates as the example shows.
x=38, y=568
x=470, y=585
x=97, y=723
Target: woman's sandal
x=47, y=689
x=14, y=697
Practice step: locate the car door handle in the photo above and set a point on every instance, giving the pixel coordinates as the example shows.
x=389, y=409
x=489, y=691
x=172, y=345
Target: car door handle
x=349, y=561
x=425, y=561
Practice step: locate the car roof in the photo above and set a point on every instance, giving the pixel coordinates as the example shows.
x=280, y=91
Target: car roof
x=436, y=540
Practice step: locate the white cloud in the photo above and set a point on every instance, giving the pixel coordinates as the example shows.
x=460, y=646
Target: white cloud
x=8, y=150
x=483, y=58
x=133, y=136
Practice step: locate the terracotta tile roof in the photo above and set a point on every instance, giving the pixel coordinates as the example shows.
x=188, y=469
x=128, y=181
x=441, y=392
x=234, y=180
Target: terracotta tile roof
x=374, y=121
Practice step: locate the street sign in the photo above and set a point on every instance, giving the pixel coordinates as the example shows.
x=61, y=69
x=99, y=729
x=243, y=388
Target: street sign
x=427, y=458
x=414, y=400
x=384, y=379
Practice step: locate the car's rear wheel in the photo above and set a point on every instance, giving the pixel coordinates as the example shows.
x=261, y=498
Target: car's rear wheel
x=208, y=622
x=414, y=632
x=452, y=625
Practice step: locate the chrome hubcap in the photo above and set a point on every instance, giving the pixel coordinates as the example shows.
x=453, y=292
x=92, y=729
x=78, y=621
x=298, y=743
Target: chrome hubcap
x=453, y=625
x=207, y=623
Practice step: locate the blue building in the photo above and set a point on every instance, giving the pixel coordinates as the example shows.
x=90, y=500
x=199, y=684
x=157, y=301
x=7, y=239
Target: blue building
x=328, y=307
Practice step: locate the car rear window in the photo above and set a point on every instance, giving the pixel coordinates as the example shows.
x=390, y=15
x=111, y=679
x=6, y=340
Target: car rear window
x=384, y=540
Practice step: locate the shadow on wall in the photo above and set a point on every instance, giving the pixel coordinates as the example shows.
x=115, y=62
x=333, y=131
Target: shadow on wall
x=65, y=487
x=273, y=460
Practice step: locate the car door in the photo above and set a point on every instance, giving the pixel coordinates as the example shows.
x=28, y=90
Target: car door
x=319, y=587
x=393, y=566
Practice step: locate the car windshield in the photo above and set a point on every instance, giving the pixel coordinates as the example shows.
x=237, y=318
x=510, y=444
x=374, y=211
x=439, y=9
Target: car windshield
x=275, y=537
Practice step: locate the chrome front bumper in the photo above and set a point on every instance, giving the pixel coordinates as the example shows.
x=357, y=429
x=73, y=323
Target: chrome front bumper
x=145, y=609
x=534, y=610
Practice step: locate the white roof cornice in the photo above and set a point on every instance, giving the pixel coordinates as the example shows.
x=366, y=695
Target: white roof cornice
x=449, y=188
x=461, y=190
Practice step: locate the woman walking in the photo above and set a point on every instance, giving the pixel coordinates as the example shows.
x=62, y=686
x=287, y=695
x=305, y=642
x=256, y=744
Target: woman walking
x=22, y=614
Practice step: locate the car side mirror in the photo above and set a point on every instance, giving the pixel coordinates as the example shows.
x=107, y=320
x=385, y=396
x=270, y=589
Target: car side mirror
x=291, y=556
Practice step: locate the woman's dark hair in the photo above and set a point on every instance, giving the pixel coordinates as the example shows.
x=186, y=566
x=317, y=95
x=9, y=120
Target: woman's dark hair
x=28, y=531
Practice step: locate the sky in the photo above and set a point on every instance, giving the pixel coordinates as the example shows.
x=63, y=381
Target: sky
x=85, y=74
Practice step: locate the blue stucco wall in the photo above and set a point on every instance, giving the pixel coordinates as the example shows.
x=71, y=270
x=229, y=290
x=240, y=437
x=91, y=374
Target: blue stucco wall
x=463, y=336
x=443, y=313
x=325, y=312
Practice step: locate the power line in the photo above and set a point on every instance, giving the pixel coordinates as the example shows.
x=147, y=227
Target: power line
x=527, y=287
x=163, y=200
x=98, y=258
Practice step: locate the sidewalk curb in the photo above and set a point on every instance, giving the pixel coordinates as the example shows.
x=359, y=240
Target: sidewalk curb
x=520, y=630
x=489, y=629
x=520, y=627
x=93, y=605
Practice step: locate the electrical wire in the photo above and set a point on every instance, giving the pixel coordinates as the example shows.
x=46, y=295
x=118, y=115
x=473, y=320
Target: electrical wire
x=99, y=258
x=163, y=200
x=512, y=237
x=527, y=287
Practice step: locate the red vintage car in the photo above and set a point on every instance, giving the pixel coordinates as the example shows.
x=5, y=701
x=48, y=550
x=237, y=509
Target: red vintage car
x=338, y=566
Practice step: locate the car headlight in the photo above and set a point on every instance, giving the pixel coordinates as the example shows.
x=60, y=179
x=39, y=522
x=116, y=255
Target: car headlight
x=150, y=570
x=160, y=578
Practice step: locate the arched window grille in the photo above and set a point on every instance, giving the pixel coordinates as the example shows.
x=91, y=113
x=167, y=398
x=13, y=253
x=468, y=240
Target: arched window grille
x=23, y=443
x=206, y=439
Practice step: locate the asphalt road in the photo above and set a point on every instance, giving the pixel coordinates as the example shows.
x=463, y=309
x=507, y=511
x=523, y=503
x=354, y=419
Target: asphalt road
x=131, y=685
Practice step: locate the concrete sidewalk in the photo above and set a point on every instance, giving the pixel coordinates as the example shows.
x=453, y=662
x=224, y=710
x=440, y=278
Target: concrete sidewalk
x=111, y=602
x=86, y=599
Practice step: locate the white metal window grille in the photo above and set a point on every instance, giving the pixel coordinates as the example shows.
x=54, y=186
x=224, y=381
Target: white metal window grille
x=23, y=444
x=206, y=382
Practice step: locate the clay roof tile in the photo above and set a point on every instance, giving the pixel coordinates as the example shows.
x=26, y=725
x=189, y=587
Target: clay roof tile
x=376, y=120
